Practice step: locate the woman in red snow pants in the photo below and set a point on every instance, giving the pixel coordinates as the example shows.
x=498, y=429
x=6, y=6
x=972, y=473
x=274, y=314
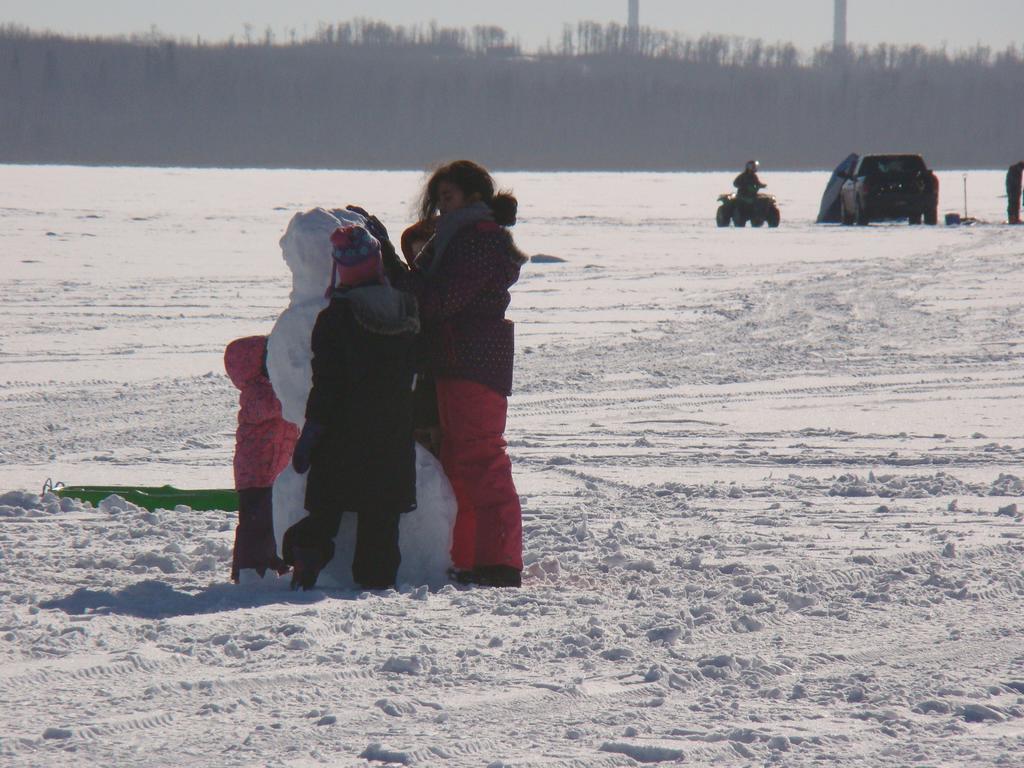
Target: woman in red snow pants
x=488, y=529
x=461, y=280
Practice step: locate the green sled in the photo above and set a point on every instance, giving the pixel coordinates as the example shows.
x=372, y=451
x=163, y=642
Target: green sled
x=164, y=497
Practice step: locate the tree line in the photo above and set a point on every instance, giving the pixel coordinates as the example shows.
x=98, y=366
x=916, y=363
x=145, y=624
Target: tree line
x=365, y=94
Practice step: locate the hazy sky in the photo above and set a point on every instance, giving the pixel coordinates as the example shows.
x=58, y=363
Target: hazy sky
x=807, y=23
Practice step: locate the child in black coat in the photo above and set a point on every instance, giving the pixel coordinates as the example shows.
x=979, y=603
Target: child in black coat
x=357, y=442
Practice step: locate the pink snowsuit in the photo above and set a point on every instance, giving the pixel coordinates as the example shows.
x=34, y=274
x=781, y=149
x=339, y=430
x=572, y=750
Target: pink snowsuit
x=263, y=447
x=264, y=440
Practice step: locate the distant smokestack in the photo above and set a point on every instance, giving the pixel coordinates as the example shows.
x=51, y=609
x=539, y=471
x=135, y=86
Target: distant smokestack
x=839, y=35
x=633, y=28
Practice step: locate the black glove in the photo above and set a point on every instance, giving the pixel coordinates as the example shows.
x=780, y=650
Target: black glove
x=394, y=267
x=303, y=454
x=373, y=225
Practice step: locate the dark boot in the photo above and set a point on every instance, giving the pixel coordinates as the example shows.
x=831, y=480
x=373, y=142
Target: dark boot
x=306, y=566
x=377, y=556
x=255, y=547
x=496, y=576
x=307, y=548
x=460, y=576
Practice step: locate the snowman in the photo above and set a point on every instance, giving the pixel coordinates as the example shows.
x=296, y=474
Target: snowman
x=425, y=534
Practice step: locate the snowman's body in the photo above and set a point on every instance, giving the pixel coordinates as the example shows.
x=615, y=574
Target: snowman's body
x=425, y=533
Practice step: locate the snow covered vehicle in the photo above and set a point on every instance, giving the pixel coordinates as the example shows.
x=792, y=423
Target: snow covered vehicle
x=733, y=209
x=885, y=187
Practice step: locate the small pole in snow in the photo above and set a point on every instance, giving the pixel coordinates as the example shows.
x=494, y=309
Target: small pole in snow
x=965, y=196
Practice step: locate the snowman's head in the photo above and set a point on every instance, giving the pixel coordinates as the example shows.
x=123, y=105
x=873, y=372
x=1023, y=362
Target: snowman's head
x=306, y=249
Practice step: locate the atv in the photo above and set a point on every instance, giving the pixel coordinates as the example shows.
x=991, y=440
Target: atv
x=739, y=212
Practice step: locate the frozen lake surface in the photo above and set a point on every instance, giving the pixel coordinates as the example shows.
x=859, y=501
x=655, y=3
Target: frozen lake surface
x=771, y=485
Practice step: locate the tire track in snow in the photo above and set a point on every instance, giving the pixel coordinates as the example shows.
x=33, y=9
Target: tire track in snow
x=55, y=676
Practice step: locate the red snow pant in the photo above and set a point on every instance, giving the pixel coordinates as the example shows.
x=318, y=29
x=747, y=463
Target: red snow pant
x=489, y=525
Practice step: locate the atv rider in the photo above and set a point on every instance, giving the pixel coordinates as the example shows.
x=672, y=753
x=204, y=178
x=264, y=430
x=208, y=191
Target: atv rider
x=747, y=184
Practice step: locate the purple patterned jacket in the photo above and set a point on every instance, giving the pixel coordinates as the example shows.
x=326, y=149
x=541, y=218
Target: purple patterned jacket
x=462, y=305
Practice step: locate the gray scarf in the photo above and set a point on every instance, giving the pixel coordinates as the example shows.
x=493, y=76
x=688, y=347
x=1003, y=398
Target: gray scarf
x=451, y=224
x=382, y=309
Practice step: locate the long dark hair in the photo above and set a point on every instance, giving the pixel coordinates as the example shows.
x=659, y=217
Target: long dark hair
x=471, y=179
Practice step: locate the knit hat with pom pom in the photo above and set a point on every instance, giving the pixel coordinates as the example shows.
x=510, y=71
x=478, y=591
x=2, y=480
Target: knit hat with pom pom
x=357, y=259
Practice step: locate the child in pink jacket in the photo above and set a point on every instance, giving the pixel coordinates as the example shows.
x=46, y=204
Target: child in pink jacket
x=263, y=447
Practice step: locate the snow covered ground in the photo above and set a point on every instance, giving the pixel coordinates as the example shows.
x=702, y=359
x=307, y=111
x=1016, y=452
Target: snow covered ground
x=771, y=484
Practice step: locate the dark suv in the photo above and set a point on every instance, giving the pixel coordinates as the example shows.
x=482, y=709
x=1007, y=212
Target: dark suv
x=890, y=187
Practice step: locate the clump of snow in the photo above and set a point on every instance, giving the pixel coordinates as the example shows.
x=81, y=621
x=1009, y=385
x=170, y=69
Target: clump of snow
x=644, y=753
x=890, y=485
x=22, y=499
x=115, y=503
x=378, y=753
x=413, y=665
